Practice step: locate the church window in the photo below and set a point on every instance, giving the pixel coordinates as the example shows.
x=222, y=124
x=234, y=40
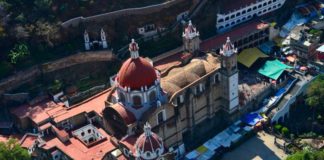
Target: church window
x=137, y=100
x=152, y=96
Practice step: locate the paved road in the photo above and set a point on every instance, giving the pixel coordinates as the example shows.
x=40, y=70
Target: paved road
x=259, y=147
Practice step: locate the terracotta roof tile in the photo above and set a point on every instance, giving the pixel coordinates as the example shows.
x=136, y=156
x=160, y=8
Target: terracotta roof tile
x=76, y=150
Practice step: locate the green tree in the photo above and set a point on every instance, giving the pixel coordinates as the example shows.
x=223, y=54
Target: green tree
x=18, y=52
x=315, y=93
x=11, y=150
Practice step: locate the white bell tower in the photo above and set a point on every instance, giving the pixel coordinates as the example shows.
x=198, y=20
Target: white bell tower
x=103, y=39
x=86, y=40
x=191, y=41
x=229, y=76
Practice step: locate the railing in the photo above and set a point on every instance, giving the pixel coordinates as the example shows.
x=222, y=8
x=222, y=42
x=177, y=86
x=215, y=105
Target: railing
x=282, y=110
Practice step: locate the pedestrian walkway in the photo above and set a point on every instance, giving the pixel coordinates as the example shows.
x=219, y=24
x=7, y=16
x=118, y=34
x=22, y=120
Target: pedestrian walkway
x=259, y=147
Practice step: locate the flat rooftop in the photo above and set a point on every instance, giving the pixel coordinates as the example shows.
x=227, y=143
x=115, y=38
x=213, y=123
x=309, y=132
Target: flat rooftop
x=77, y=150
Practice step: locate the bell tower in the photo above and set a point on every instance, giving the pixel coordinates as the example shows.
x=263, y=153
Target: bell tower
x=229, y=76
x=191, y=39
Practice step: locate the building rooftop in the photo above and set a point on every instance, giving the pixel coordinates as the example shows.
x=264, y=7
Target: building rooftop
x=235, y=34
x=43, y=111
x=76, y=149
x=28, y=140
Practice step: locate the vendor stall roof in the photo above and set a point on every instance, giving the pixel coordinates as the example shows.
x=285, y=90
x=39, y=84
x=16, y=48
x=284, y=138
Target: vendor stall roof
x=273, y=69
x=249, y=56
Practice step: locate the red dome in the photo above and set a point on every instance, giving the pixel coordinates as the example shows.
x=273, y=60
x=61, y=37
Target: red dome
x=149, y=142
x=136, y=73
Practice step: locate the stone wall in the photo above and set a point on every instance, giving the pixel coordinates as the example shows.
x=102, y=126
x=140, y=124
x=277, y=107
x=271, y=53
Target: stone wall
x=120, y=13
x=32, y=73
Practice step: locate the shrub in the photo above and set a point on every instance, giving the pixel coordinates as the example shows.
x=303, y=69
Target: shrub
x=285, y=131
x=277, y=127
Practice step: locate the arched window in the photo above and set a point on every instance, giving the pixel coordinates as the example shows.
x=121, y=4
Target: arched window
x=152, y=96
x=227, y=18
x=232, y=16
x=254, y=8
x=137, y=100
x=221, y=20
x=249, y=10
x=238, y=14
x=232, y=23
x=243, y=12
x=221, y=27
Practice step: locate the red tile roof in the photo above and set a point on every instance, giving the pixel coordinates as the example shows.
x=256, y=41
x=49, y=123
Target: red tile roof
x=76, y=150
x=37, y=113
x=28, y=140
x=235, y=34
x=168, y=62
x=129, y=142
x=95, y=103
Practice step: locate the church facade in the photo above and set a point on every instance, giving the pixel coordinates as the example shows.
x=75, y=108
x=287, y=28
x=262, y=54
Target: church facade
x=167, y=103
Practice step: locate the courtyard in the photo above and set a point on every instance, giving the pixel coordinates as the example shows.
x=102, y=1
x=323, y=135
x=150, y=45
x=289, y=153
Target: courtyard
x=259, y=147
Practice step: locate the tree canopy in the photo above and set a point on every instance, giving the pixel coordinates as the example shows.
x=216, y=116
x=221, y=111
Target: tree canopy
x=11, y=150
x=315, y=92
x=307, y=155
x=18, y=52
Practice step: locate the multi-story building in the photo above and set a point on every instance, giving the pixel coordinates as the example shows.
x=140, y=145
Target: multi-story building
x=303, y=43
x=246, y=36
x=236, y=12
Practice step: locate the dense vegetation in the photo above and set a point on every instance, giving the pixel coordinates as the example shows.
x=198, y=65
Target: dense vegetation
x=307, y=155
x=11, y=150
x=33, y=27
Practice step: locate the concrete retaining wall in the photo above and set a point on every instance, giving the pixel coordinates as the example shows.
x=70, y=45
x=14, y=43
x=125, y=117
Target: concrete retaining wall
x=32, y=73
x=120, y=13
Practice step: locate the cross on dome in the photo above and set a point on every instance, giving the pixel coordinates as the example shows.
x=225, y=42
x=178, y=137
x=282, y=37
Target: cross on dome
x=228, y=48
x=147, y=129
x=133, y=49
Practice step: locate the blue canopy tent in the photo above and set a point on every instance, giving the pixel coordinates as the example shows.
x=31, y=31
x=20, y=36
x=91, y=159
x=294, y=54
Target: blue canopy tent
x=251, y=118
